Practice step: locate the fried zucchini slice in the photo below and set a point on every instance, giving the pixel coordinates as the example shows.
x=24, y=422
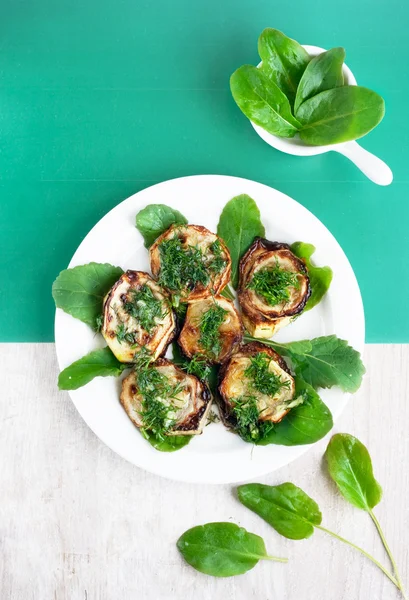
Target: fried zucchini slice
x=212, y=328
x=190, y=262
x=258, y=380
x=274, y=287
x=137, y=314
x=184, y=413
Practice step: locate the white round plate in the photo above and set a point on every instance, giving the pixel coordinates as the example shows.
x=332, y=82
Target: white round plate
x=217, y=456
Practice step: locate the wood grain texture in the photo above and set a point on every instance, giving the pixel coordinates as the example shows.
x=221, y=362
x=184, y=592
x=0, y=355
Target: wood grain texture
x=79, y=523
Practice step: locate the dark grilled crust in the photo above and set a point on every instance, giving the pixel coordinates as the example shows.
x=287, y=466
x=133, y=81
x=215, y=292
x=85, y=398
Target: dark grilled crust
x=193, y=423
x=231, y=340
x=261, y=248
x=250, y=349
x=216, y=285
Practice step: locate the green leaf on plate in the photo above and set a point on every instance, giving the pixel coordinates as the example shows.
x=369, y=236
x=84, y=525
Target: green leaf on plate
x=323, y=72
x=320, y=277
x=238, y=225
x=285, y=507
x=80, y=291
x=350, y=466
x=263, y=102
x=98, y=363
x=340, y=115
x=324, y=362
x=171, y=443
x=284, y=60
x=305, y=424
x=222, y=549
x=155, y=219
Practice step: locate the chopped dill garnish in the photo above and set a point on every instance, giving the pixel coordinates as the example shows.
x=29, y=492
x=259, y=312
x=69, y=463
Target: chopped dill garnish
x=143, y=306
x=248, y=425
x=158, y=413
x=122, y=335
x=209, y=326
x=261, y=378
x=181, y=268
x=273, y=283
x=198, y=366
x=218, y=263
x=99, y=321
x=245, y=410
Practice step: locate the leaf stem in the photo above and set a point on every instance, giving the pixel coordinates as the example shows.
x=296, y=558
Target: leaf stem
x=362, y=551
x=388, y=550
x=227, y=293
x=276, y=558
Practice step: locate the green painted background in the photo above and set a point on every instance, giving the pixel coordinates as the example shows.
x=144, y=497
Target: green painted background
x=99, y=99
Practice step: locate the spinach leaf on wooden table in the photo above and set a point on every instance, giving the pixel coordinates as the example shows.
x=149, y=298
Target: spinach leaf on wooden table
x=320, y=277
x=155, y=219
x=323, y=72
x=285, y=507
x=80, y=291
x=263, y=102
x=350, y=466
x=305, y=424
x=98, y=363
x=339, y=115
x=222, y=549
x=238, y=225
x=284, y=61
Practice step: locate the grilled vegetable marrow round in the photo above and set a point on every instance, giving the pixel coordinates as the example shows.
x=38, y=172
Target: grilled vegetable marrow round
x=184, y=413
x=137, y=314
x=255, y=387
x=190, y=262
x=274, y=287
x=212, y=328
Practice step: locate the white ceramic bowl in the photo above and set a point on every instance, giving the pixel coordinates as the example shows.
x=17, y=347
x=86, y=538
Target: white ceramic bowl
x=372, y=166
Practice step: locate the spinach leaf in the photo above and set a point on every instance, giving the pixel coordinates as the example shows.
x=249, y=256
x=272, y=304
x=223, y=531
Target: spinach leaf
x=170, y=444
x=323, y=72
x=80, y=291
x=263, y=102
x=350, y=466
x=98, y=363
x=320, y=277
x=285, y=507
x=284, y=61
x=222, y=549
x=155, y=219
x=238, y=225
x=323, y=361
x=339, y=115
x=305, y=424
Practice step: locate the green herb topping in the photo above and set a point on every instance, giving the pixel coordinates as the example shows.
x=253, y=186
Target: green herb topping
x=245, y=409
x=209, y=326
x=248, y=425
x=198, y=366
x=184, y=267
x=144, y=307
x=158, y=413
x=122, y=335
x=218, y=263
x=261, y=378
x=273, y=284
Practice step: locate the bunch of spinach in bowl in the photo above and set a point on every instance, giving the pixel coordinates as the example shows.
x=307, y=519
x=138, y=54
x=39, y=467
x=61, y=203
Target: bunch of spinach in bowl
x=291, y=93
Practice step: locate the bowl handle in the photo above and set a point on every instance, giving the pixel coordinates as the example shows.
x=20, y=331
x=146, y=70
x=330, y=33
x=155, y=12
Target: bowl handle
x=372, y=166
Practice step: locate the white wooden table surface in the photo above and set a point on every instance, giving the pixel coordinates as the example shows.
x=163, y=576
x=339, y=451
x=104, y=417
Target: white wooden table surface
x=78, y=522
